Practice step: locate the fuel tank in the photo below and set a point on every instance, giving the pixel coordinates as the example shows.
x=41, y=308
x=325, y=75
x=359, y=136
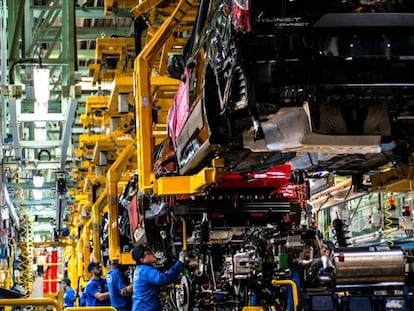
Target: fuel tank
x=369, y=265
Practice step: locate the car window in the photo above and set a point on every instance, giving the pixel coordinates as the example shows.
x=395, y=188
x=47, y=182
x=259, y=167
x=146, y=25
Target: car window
x=220, y=26
x=194, y=49
x=222, y=22
x=365, y=35
x=198, y=27
x=204, y=32
x=367, y=45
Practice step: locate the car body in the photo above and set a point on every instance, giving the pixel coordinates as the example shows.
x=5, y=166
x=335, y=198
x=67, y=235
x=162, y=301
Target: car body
x=321, y=83
x=261, y=197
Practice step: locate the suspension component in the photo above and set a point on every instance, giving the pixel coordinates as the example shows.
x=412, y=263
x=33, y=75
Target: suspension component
x=340, y=233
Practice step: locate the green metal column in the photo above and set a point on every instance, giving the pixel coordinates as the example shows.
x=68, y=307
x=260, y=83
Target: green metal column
x=15, y=23
x=69, y=49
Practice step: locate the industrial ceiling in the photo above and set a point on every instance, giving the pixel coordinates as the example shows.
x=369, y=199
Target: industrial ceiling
x=39, y=140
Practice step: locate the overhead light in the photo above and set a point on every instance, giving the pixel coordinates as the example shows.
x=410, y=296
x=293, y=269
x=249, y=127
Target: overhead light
x=40, y=133
x=37, y=194
x=41, y=84
x=38, y=181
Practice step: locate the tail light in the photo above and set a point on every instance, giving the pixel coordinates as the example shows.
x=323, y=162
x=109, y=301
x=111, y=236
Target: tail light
x=241, y=15
x=406, y=211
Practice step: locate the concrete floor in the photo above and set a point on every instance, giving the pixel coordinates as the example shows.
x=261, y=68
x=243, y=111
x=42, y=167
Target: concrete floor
x=38, y=288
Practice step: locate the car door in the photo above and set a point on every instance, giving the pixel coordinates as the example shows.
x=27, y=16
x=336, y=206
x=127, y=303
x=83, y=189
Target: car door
x=180, y=109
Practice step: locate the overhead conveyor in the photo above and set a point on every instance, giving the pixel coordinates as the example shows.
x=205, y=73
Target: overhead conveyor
x=393, y=180
x=152, y=62
x=107, y=147
x=250, y=236
x=113, y=6
x=113, y=57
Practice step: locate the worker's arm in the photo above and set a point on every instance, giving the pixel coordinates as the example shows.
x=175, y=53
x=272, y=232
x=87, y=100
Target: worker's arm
x=127, y=290
x=102, y=296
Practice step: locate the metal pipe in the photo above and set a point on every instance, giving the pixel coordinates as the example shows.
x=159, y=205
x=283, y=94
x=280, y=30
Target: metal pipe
x=184, y=236
x=67, y=131
x=369, y=265
x=345, y=183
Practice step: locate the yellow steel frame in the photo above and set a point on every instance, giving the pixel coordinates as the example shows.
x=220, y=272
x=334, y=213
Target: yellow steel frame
x=92, y=105
x=393, y=180
x=176, y=185
x=122, y=49
x=97, y=209
x=144, y=7
x=100, y=308
x=128, y=154
x=116, y=138
x=113, y=5
x=114, y=175
x=85, y=247
x=144, y=65
x=131, y=152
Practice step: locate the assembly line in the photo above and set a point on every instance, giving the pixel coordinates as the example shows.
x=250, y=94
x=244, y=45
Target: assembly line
x=256, y=153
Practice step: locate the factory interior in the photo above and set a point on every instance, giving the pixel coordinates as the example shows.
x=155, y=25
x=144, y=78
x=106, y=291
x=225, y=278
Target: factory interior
x=270, y=140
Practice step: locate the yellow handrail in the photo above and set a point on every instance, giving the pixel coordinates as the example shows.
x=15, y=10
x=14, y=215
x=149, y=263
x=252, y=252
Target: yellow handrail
x=32, y=302
x=100, y=308
x=294, y=290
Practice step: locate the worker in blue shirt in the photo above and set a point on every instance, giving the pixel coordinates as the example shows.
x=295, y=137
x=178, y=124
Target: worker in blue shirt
x=69, y=295
x=147, y=280
x=97, y=293
x=82, y=297
x=119, y=289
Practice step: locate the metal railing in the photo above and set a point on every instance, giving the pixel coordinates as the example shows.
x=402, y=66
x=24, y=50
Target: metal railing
x=45, y=302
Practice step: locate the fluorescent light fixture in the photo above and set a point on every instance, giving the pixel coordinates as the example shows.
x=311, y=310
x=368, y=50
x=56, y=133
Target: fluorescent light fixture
x=37, y=195
x=41, y=84
x=40, y=134
x=40, y=131
x=38, y=181
x=41, y=108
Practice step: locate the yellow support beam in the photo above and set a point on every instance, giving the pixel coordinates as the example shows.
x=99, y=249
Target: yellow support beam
x=144, y=101
x=176, y=185
x=97, y=208
x=86, y=247
x=114, y=5
x=113, y=56
x=95, y=103
x=164, y=81
x=144, y=6
x=119, y=47
x=114, y=175
x=123, y=85
x=126, y=259
x=393, y=180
